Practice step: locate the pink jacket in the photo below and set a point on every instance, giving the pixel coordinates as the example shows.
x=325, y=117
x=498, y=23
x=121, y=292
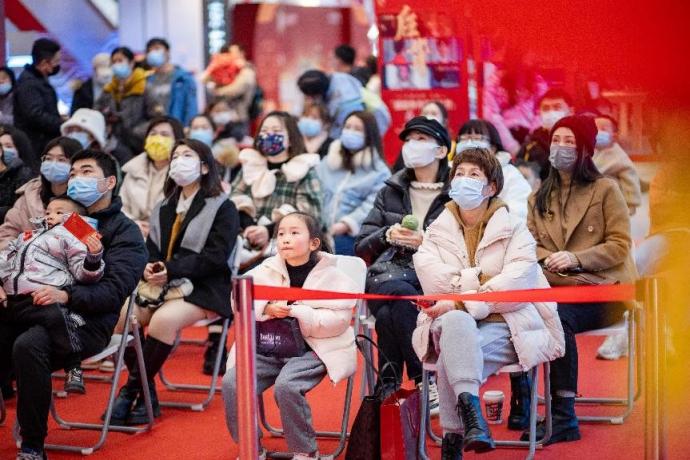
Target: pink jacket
x=507, y=254
x=325, y=324
x=28, y=205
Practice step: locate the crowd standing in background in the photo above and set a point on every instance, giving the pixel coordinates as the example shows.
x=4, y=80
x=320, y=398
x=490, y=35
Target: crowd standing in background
x=170, y=187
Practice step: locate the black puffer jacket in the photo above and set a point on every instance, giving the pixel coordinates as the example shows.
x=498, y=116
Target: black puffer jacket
x=10, y=180
x=83, y=97
x=536, y=148
x=391, y=205
x=35, y=109
x=208, y=270
x=125, y=256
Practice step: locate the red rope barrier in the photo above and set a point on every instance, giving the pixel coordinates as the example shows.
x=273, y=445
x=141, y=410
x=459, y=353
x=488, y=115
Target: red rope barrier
x=564, y=294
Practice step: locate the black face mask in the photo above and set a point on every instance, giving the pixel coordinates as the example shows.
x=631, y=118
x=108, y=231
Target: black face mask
x=55, y=71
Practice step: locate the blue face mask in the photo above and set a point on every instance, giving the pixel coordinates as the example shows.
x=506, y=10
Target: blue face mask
x=603, y=139
x=352, y=140
x=155, y=58
x=91, y=221
x=467, y=192
x=5, y=88
x=9, y=156
x=121, y=70
x=202, y=135
x=55, y=172
x=84, y=190
x=309, y=127
x=81, y=137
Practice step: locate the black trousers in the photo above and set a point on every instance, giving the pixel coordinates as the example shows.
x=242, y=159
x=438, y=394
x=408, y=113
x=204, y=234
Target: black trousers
x=395, y=322
x=576, y=318
x=30, y=351
x=54, y=318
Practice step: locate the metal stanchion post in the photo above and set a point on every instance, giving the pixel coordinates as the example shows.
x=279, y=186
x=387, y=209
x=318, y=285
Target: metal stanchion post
x=652, y=386
x=245, y=365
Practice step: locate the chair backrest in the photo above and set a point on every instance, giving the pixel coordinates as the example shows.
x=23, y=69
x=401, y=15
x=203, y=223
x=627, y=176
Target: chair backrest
x=355, y=268
x=234, y=259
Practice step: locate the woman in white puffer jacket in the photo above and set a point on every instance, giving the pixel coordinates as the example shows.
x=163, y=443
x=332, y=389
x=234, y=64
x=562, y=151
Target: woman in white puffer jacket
x=477, y=245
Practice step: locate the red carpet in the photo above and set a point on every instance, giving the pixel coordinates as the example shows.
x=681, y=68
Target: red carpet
x=192, y=435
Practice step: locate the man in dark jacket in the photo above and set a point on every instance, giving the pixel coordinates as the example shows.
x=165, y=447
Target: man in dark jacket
x=35, y=100
x=28, y=347
x=553, y=105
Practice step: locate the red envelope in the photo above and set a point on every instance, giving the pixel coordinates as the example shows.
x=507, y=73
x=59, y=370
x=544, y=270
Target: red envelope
x=79, y=227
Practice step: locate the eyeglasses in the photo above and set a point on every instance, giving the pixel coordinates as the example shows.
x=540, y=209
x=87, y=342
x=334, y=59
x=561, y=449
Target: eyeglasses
x=60, y=159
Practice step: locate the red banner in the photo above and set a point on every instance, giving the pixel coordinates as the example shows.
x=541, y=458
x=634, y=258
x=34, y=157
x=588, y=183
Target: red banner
x=423, y=54
x=569, y=294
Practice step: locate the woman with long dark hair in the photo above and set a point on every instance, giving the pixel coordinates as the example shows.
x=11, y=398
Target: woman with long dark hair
x=277, y=177
x=33, y=197
x=192, y=234
x=351, y=175
x=580, y=221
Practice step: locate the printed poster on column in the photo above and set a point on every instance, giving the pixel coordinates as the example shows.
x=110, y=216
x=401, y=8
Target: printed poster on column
x=422, y=58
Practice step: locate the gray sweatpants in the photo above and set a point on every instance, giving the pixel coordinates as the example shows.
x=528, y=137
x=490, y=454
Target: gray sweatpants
x=468, y=352
x=292, y=378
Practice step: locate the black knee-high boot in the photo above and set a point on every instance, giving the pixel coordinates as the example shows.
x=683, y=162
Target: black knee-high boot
x=155, y=354
x=129, y=392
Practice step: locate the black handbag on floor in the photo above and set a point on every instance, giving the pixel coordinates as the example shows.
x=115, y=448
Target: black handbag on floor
x=365, y=435
x=280, y=338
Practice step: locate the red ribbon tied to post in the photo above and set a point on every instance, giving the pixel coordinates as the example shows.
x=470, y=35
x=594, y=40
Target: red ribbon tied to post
x=562, y=294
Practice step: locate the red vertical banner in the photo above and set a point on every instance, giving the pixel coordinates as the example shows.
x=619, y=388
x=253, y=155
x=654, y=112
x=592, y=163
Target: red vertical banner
x=423, y=57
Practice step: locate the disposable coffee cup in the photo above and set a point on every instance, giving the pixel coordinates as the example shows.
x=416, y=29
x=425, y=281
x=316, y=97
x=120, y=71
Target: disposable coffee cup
x=493, y=406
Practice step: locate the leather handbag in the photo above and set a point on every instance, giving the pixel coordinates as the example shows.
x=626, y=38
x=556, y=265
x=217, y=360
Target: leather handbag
x=365, y=434
x=152, y=296
x=576, y=278
x=280, y=338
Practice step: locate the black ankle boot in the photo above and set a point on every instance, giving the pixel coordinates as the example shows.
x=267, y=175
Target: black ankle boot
x=565, y=426
x=519, y=401
x=122, y=405
x=477, y=434
x=211, y=353
x=451, y=447
x=138, y=415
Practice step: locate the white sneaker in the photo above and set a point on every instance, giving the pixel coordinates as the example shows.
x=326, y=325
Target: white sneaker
x=433, y=398
x=614, y=347
x=108, y=364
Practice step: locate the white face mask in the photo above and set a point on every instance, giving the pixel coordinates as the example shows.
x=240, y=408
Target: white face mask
x=417, y=154
x=103, y=75
x=550, y=117
x=222, y=118
x=471, y=144
x=185, y=170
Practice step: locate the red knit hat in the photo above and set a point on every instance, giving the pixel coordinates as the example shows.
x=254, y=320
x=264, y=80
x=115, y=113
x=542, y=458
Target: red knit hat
x=583, y=127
